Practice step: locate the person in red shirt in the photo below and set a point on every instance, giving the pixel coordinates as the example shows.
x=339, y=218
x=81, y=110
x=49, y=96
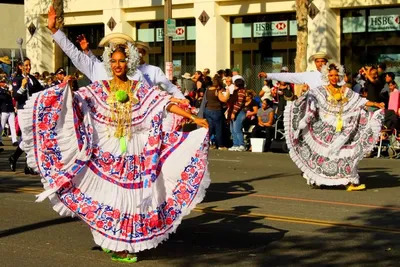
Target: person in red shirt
x=236, y=115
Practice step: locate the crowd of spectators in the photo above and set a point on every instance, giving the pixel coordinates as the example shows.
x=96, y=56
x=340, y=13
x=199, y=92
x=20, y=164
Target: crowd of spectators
x=232, y=110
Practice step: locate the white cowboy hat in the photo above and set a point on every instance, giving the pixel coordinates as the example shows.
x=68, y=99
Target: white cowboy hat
x=115, y=38
x=142, y=45
x=319, y=55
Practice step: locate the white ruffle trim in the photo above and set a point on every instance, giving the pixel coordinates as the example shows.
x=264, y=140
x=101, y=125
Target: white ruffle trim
x=374, y=123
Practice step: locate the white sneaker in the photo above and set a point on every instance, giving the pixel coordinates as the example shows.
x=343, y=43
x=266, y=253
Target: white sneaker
x=241, y=149
x=234, y=148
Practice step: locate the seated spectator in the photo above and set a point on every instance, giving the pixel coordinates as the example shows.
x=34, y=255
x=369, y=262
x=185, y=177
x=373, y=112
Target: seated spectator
x=266, y=91
x=264, y=128
x=251, y=109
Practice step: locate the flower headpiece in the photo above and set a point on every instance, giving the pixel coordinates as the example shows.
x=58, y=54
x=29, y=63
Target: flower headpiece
x=132, y=57
x=325, y=72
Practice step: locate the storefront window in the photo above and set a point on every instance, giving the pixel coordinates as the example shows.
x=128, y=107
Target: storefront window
x=183, y=50
x=263, y=43
x=93, y=33
x=371, y=36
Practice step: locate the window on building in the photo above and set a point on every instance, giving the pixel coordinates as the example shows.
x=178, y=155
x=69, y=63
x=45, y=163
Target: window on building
x=263, y=43
x=183, y=50
x=371, y=36
x=93, y=33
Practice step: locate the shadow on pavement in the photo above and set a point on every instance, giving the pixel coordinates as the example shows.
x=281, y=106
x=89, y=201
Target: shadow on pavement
x=230, y=237
x=35, y=226
x=11, y=184
x=235, y=189
x=379, y=178
x=339, y=246
x=226, y=240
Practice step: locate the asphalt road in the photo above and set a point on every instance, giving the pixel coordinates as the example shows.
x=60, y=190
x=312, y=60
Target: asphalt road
x=258, y=212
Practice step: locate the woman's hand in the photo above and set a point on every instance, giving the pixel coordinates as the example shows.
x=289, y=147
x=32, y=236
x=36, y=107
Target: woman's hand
x=380, y=105
x=180, y=101
x=201, y=122
x=68, y=79
x=24, y=82
x=232, y=116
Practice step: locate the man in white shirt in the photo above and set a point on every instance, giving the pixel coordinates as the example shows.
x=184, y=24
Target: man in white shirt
x=311, y=78
x=94, y=69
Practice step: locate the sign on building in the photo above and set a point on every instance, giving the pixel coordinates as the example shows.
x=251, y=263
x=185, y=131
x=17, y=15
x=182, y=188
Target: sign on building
x=384, y=23
x=273, y=28
x=180, y=34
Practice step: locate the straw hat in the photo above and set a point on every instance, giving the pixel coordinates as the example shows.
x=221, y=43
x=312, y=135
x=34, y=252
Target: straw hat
x=143, y=46
x=115, y=38
x=319, y=55
x=5, y=60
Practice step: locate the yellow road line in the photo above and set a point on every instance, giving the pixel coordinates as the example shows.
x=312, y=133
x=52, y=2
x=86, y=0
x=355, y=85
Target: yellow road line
x=297, y=220
x=262, y=216
x=13, y=189
x=307, y=200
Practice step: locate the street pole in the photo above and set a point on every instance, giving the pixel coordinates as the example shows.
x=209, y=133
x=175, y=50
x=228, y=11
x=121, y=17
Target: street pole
x=167, y=39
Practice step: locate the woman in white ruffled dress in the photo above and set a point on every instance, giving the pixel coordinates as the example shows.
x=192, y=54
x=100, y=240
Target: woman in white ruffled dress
x=106, y=155
x=328, y=131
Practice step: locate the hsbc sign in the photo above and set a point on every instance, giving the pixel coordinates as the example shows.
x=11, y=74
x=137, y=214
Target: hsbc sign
x=384, y=23
x=180, y=34
x=273, y=28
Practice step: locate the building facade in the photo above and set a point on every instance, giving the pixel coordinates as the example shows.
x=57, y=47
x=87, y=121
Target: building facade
x=12, y=28
x=252, y=35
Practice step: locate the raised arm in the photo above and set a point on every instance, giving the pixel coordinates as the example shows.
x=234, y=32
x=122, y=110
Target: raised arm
x=290, y=77
x=81, y=61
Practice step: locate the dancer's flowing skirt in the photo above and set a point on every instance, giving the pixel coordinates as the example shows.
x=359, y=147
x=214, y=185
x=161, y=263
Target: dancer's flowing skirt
x=325, y=155
x=131, y=200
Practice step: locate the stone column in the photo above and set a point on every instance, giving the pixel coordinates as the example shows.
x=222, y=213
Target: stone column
x=39, y=46
x=213, y=38
x=121, y=24
x=324, y=32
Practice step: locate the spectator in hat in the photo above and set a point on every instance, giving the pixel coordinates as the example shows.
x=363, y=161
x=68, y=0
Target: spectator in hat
x=187, y=84
x=5, y=65
x=59, y=76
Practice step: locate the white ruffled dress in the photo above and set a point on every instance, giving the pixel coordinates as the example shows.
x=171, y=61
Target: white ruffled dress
x=131, y=201
x=328, y=157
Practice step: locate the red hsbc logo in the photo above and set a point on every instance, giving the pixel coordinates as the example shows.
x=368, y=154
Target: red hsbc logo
x=280, y=26
x=180, y=31
x=397, y=20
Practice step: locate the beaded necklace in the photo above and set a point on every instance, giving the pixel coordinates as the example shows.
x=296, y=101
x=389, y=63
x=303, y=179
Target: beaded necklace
x=120, y=100
x=336, y=98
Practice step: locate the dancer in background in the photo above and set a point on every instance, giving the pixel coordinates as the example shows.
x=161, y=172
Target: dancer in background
x=104, y=156
x=328, y=131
